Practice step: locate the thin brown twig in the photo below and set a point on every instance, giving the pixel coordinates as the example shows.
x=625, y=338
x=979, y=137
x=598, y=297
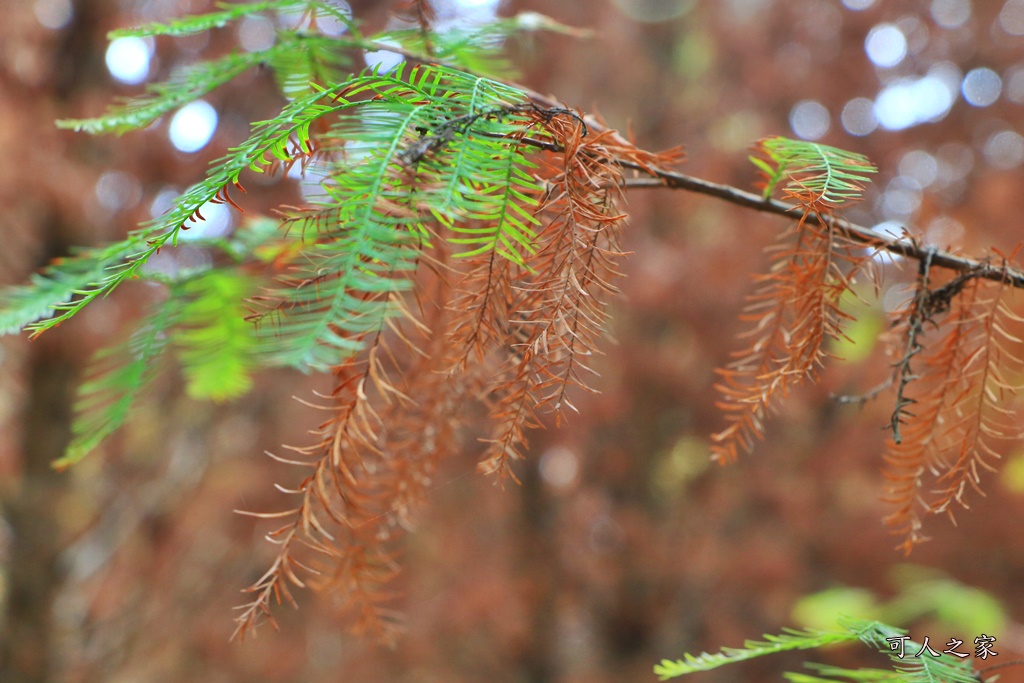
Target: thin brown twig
x=894, y=245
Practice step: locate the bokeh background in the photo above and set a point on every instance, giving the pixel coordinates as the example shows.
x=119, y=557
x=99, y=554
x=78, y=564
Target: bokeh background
x=623, y=544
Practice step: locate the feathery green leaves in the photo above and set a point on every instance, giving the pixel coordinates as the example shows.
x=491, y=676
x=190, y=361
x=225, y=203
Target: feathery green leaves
x=424, y=144
x=57, y=285
x=907, y=668
x=279, y=138
x=117, y=376
x=204, y=22
x=406, y=157
x=790, y=639
x=835, y=674
x=816, y=173
x=296, y=59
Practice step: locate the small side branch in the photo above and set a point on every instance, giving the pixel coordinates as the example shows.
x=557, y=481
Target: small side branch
x=915, y=327
x=939, y=259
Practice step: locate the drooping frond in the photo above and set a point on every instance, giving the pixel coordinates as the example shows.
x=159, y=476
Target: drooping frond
x=817, y=175
x=448, y=136
x=796, y=310
x=797, y=307
x=954, y=397
x=116, y=377
x=333, y=537
x=556, y=312
x=983, y=414
x=422, y=180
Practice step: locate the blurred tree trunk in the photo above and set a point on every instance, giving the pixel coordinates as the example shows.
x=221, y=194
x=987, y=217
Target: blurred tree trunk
x=32, y=512
x=31, y=505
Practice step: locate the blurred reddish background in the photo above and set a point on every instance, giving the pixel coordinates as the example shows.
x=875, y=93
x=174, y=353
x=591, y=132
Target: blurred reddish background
x=622, y=545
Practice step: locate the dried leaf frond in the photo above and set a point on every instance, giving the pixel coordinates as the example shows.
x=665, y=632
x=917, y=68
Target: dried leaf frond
x=955, y=398
x=794, y=313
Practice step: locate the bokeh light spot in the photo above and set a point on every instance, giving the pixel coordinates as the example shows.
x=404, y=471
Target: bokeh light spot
x=128, y=59
x=919, y=165
x=809, y=120
x=951, y=13
x=858, y=116
x=256, y=33
x=982, y=87
x=886, y=46
x=944, y=232
x=559, y=467
x=1014, y=84
x=910, y=101
x=1004, y=150
x=54, y=14
x=163, y=201
x=901, y=199
x=1011, y=17
x=116, y=190
x=193, y=126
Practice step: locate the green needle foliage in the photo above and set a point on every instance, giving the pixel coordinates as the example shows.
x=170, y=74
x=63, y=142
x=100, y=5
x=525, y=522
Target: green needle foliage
x=449, y=135
x=116, y=377
x=213, y=341
x=198, y=23
x=876, y=635
x=772, y=644
x=815, y=173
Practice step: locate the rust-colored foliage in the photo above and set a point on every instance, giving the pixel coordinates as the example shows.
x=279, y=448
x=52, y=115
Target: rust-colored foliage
x=955, y=386
x=515, y=335
x=793, y=313
x=954, y=374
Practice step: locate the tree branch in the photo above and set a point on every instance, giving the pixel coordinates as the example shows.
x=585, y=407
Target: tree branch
x=902, y=246
x=658, y=177
x=894, y=245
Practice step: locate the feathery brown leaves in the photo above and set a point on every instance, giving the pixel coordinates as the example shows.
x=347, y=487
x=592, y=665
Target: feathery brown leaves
x=795, y=311
x=954, y=398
